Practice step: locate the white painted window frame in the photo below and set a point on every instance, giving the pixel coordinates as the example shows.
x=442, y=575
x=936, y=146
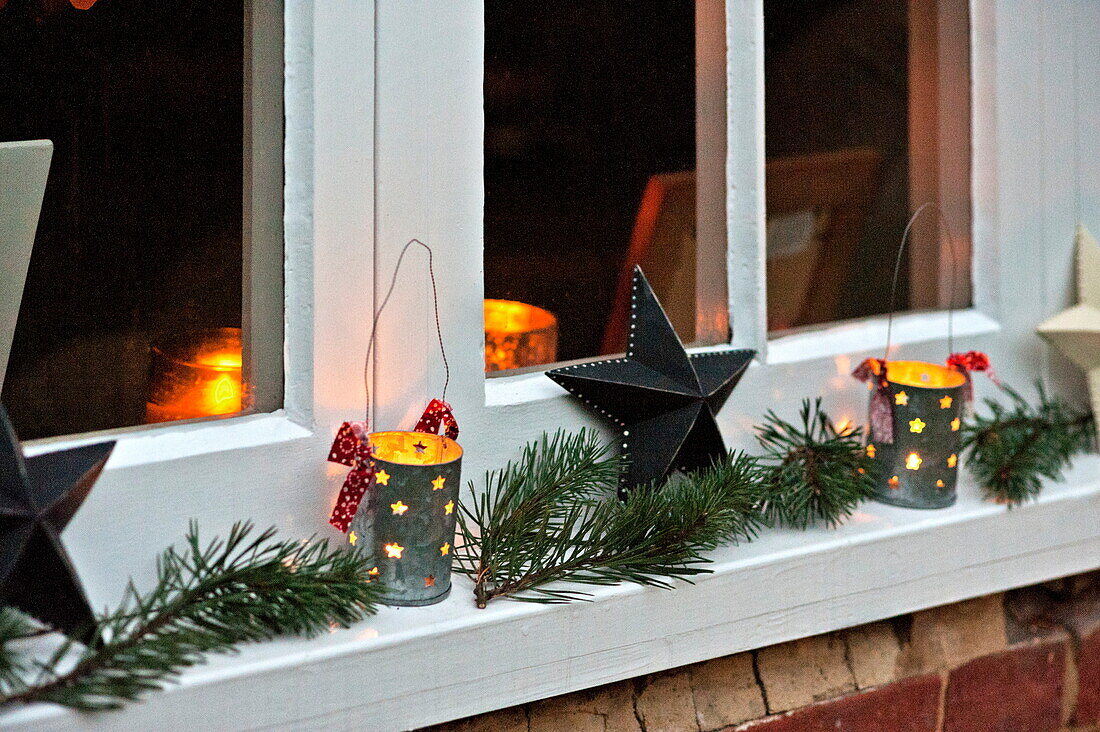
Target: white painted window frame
x=383, y=143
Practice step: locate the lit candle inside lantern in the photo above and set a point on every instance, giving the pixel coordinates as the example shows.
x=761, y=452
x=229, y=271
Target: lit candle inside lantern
x=518, y=335
x=917, y=464
x=198, y=375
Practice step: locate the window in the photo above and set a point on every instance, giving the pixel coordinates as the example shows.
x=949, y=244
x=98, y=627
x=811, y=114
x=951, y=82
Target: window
x=154, y=286
x=592, y=125
x=866, y=118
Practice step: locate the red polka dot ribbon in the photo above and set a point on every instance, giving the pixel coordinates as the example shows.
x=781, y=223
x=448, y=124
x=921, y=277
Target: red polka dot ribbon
x=438, y=414
x=969, y=362
x=352, y=448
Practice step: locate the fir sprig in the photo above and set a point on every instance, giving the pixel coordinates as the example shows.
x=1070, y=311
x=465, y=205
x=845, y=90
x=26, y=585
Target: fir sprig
x=553, y=516
x=1015, y=446
x=811, y=472
x=207, y=599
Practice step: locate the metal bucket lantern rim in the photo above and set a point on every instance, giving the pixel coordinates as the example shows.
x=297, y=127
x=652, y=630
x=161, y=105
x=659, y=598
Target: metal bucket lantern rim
x=923, y=375
x=391, y=446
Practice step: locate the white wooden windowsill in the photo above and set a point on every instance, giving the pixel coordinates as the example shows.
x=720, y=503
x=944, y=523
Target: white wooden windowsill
x=409, y=667
x=167, y=442
x=864, y=335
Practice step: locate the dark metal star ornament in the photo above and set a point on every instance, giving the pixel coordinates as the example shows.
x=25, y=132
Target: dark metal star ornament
x=38, y=497
x=662, y=400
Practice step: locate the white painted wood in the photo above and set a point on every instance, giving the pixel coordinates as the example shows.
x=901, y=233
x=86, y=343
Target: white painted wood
x=745, y=174
x=410, y=667
x=262, y=230
x=871, y=333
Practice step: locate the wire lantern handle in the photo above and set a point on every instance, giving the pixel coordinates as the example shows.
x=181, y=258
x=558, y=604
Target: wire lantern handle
x=378, y=315
x=953, y=242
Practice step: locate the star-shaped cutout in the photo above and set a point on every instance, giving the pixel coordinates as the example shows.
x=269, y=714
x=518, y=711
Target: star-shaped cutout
x=352, y=537
x=445, y=549
x=952, y=460
x=901, y=399
x=871, y=451
x=913, y=461
x=1076, y=331
x=399, y=508
x=420, y=448
x=893, y=483
x=429, y=581
x=449, y=507
x=916, y=425
x=956, y=424
x=382, y=477
x=662, y=400
x=393, y=550
x=373, y=572
x=38, y=498
x=945, y=402
x=940, y=484
x=437, y=484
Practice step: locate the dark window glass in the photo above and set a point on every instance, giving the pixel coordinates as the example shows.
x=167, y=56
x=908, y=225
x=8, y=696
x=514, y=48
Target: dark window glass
x=587, y=104
x=137, y=262
x=858, y=105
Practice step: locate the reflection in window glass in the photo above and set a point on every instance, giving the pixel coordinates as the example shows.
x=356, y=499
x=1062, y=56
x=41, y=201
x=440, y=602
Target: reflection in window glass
x=131, y=311
x=589, y=155
x=866, y=116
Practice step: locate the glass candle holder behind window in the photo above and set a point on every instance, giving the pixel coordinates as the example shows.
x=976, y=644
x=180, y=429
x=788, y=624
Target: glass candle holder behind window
x=406, y=522
x=918, y=468
x=194, y=375
x=518, y=335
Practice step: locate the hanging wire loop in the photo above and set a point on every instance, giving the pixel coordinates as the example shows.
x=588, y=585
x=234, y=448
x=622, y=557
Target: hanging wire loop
x=945, y=229
x=378, y=315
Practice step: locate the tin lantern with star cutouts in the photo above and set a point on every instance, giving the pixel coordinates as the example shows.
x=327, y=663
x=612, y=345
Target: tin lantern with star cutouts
x=406, y=522
x=914, y=436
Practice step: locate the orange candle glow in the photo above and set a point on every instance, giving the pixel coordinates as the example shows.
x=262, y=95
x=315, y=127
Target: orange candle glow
x=198, y=375
x=518, y=335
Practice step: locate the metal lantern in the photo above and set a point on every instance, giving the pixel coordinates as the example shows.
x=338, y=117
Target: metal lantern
x=918, y=468
x=406, y=522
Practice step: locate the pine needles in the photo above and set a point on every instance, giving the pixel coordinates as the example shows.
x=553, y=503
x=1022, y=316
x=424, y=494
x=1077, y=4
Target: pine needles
x=554, y=515
x=1015, y=446
x=207, y=599
x=811, y=472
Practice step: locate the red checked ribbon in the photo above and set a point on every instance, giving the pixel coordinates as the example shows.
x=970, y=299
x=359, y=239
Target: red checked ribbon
x=873, y=371
x=969, y=362
x=352, y=448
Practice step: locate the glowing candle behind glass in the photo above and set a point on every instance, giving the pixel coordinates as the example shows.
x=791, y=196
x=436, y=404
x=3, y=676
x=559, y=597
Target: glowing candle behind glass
x=518, y=335
x=195, y=375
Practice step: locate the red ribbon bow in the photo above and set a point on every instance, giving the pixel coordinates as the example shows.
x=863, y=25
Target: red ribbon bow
x=438, y=413
x=873, y=371
x=968, y=362
x=352, y=448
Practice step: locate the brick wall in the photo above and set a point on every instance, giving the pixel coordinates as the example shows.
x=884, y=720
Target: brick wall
x=1026, y=660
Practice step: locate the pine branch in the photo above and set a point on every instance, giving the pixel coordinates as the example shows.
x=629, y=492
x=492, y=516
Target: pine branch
x=207, y=599
x=812, y=472
x=14, y=627
x=553, y=516
x=1015, y=446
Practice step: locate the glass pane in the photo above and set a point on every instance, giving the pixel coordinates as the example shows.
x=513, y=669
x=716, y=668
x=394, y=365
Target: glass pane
x=867, y=118
x=589, y=169
x=132, y=308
